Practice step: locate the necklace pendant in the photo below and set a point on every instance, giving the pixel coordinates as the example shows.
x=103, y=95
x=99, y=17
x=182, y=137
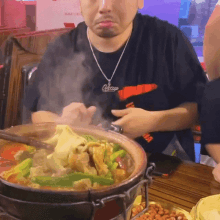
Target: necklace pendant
x=109, y=88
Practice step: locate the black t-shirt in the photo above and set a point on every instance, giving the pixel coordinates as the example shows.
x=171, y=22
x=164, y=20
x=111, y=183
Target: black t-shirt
x=158, y=71
x=210, y=113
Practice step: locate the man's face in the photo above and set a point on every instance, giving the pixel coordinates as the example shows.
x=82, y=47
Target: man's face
x=109, y=18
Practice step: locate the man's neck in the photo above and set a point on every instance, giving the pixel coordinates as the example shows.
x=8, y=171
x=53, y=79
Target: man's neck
x=109, y=45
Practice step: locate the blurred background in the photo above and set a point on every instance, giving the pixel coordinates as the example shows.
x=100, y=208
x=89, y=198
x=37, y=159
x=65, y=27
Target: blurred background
x=190, y=16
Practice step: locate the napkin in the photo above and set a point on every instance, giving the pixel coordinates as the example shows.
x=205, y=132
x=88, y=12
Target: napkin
x=207, y=208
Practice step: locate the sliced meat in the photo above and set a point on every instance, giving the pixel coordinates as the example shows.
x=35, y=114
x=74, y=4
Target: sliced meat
x=96, y=186
x=81, y=163
x=40, y=159
x=62, y=172
x=22, y=155
x=129, y=163
x=98, y=157
x=119, y=175
x=108, y=152
x=39, y=171
x=83, y=184
x=91, y=170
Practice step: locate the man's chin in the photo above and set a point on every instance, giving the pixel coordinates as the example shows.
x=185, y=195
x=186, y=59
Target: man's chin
x=105, y=33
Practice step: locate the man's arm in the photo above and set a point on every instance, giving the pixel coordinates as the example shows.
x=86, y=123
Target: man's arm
x=212, y=44
x=179, y=118
x=214, y=151
x=136, y=122
x=210, y=120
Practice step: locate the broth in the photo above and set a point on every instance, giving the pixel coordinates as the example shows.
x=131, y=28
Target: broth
x=78, y=162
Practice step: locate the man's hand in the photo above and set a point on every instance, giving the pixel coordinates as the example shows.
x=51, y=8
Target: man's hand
x=77, y=114
x=73, y=114
x=216, y=173
x=214, y=152
x=135, y=121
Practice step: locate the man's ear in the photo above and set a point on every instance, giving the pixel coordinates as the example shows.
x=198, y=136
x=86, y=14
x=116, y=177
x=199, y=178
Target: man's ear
x=140, y=4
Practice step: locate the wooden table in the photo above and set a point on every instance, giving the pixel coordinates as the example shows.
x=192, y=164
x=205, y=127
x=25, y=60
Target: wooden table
x=185, y=187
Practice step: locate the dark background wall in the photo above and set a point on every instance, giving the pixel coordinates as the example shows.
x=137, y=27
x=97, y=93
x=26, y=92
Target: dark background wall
x=190, y=16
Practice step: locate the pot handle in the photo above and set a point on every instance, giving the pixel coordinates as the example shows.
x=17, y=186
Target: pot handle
x=112, y=127
x=148, y=174
x=1, y=188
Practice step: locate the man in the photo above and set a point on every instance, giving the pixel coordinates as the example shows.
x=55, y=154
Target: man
x=210, y=123
x=210, y=117
x=211, y=44
x=135, y=71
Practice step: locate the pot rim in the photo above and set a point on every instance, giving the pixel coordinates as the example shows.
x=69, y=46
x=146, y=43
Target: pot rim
x=139, y=156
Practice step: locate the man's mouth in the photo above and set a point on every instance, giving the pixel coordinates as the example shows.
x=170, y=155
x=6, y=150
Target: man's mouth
x=106, y=24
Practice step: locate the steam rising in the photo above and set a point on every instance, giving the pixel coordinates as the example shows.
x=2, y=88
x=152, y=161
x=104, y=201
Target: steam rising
x=74, y=81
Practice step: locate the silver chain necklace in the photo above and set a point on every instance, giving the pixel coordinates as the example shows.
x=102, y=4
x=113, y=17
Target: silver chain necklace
x=107, y=87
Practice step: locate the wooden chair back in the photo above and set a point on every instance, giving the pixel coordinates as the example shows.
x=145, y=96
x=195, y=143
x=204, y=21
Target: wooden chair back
x=21, y=50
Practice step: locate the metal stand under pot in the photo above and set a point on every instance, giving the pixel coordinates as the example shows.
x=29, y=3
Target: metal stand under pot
x=18, y=202
x=13, y=209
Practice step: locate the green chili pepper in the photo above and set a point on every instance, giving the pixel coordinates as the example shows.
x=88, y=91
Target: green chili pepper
x=22, y=169
x=116, y=147
x=109, y=175
x=109, y=164
x=90, y=138
x=31, y=149
x=102, y=180
x=67, y=180
x=105, y=155
x=114, y=166
x=120, y=153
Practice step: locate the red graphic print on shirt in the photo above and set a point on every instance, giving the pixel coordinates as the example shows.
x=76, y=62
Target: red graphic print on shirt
x=130, y=91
